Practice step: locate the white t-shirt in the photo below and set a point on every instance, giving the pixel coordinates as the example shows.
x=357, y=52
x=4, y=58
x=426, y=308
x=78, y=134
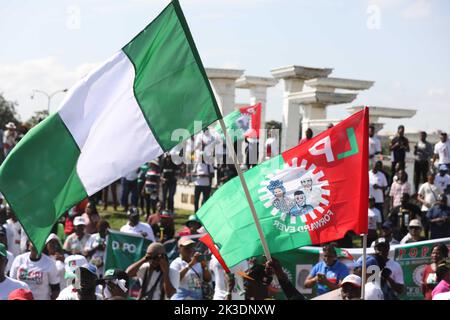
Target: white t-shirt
x=138, y=229
x=99, y=255
x=38, y=275
x=379, y=179
x=60, y=266
x=73, y=245
x=373, y=292
x=442, y=149
x=374, y=145
x=203, y=169
x=151, y=282
x=442, y=182
x=8, y=285
x=397, y=272
x=69, y=293
x=190, y=281
x=13, y=234
x=430, y=192
x=374, y=218
x=221, y=287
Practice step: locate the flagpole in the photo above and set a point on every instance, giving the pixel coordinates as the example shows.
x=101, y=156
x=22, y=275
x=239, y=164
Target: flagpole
x=230, y=147
x=364, y=273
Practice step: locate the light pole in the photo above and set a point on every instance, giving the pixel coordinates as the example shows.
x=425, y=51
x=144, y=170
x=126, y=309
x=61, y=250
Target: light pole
x=49, y=96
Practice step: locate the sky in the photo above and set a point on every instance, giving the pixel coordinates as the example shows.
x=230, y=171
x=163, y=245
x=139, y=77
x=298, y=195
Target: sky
x=402, y=45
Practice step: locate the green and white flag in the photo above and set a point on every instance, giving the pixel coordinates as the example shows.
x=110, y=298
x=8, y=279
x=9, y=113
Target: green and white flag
x=113, y=120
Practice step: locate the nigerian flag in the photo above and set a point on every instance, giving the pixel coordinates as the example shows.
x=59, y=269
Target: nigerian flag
x=113, y=120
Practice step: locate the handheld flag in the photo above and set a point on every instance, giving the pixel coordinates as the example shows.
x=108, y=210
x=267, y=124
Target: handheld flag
x=116, y=118
x=242, y=123
x=313, y=193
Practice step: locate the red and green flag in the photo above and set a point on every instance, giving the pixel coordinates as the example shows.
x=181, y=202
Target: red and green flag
x=243, y=123
x=311, y=194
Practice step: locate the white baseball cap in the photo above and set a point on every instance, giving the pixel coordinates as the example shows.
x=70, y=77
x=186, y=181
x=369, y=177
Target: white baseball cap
x=353, y=279
x=79, y=221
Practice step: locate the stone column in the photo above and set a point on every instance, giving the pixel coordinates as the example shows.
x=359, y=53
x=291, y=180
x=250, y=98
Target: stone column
x=223, y=82
x=293, y=80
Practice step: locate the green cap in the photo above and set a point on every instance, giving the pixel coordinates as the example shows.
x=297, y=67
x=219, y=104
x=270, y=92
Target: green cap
x=3, y=250
x=192, y=218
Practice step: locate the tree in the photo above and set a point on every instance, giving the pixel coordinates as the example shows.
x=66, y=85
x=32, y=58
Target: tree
x=7, y=112
x=37, y=117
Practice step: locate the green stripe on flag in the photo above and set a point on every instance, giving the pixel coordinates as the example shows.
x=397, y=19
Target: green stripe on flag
x=227, y=218
x=39, y=179
x=233, y=130
x=169, y=72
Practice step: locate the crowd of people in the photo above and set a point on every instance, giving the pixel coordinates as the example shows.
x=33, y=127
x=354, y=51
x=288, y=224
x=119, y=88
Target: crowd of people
x=177, y=266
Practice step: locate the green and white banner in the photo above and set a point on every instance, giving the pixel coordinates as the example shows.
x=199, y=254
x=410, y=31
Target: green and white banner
x=123, y=249
x=412, y=258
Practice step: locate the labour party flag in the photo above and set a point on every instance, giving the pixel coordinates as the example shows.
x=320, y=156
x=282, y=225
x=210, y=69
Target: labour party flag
x=242, y=123
x=310, y=194
x=116, y=118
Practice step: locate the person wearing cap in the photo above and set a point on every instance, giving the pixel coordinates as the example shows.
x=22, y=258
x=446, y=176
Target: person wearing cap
x=386, y=234
x=71, y=263
x=134, y=226
x=372, y=289
x=9, y=138
x=428, y=196
x=327, y=274
x=439, y=253
x=442, y=181
x=21, y=294
x=439, y=218
x=7, y=284
x=443, y=278
x=188, y=272
x=116, y=285
x=54, y=250
x=423, y=151
x=153, y=274
x=76, y=242
x=442, y=150
x=391, y=275
x=95, y=247
x=351, y=287
x=39, y=272
x=374, y=221
x=193, y=224
x=86, y=283
x=414, y=230
x=401, y=215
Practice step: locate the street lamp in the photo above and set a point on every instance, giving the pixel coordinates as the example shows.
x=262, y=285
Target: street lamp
x=49, y=96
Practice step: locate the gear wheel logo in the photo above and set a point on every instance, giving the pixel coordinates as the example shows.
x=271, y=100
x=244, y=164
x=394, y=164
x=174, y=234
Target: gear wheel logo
x=296, y=193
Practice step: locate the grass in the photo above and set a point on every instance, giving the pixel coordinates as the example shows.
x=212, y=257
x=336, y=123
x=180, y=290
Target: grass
x=118, y=218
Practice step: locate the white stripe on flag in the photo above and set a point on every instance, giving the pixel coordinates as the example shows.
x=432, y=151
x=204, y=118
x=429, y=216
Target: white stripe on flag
x=103, y=116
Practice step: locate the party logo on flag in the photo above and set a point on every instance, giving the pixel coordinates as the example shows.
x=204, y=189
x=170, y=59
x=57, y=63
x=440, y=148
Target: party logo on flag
x=297, y=194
